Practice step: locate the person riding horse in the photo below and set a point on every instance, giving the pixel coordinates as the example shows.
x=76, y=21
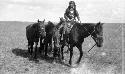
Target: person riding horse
x=70, y=16
x=71, y=13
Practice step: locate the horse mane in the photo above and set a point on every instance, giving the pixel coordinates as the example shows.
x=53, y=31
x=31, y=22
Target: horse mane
x=35, y=25
x=49, y=26
x=84, y=26
x=58, y=25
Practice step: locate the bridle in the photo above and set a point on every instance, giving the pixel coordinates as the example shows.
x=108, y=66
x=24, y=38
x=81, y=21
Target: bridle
x=90, y=33
x=92, y=36
x=43, y=28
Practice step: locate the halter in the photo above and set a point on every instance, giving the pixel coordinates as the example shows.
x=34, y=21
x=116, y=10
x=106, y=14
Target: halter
x=89, y=32
x=91, y=36
x=92, y=33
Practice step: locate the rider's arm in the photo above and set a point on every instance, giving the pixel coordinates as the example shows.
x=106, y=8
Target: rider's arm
x=66, y=14
x=77, y=15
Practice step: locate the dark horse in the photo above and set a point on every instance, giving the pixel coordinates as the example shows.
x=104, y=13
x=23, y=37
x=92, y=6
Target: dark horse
x=80, y=31
x=52, y=37
x=33, y=33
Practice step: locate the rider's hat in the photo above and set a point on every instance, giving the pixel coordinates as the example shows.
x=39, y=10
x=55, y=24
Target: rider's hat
x=72, y=2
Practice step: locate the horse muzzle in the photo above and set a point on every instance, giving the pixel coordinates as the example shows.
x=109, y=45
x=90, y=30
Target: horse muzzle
x=99, y=42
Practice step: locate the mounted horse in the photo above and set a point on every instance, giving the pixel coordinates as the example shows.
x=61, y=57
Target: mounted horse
x=53, y=37
x=79, y=32
x=82, y=30
x=65, y=31
x=33, y=33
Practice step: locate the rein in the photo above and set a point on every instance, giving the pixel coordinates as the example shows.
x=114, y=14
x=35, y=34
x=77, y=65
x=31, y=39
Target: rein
x=89, y=32
x=91, y=36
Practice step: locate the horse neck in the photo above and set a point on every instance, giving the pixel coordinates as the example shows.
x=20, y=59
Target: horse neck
x=35, y=25
x=91, y=28
x=58, y=25
x=87, y=27
x=49, y=27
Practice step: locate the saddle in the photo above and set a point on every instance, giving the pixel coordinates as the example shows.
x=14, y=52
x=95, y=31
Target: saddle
x=68, y=26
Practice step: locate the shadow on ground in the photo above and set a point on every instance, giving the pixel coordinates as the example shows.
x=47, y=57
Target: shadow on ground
x=40, y=56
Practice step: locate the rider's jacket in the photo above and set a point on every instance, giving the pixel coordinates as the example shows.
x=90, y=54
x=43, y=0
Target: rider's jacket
x=71, y=14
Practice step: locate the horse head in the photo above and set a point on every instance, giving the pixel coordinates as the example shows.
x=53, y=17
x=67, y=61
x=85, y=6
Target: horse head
x=98, y=35
x=41, y=27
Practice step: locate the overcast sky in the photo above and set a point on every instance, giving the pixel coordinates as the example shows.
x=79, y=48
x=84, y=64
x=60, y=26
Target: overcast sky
x=89, y=10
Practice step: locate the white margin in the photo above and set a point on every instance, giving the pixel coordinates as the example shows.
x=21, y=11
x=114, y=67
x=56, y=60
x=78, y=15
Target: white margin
x=123, y=67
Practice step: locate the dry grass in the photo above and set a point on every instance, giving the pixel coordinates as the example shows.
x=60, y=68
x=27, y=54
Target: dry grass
x=15, y=60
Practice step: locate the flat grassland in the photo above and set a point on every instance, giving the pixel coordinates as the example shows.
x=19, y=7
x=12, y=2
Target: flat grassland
x=14, y=58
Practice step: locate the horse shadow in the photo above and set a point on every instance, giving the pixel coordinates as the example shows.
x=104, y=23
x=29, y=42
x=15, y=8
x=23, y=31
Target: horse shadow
x=21, y=52
x=25, y=54
x=40, y=56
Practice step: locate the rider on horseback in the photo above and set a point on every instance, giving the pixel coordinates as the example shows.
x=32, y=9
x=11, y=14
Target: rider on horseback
x=71, y=13
x=70, y=16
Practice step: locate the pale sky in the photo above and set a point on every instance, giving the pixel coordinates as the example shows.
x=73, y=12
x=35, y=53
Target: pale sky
x=107, y=11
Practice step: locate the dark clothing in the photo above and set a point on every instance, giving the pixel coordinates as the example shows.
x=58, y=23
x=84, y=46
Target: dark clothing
x=71, y=14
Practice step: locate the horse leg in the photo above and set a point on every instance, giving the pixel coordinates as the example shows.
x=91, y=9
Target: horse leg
x=31, y=48
x=41, y=48
x=46, y=49
x=36, y=43
x=62, y=52
x=71, y=54
x=54, y=49
x=79, y=46
x=41, y=44
x=66, y=41
x=59, y=53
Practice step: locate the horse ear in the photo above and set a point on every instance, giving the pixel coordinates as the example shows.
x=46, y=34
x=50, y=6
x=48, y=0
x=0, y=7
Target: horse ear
x=44, y=20
x=101, y=23
x=38, y=20
x=60, y=18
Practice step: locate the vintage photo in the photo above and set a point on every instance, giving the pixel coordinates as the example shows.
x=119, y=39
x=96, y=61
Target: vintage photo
x=62, y=36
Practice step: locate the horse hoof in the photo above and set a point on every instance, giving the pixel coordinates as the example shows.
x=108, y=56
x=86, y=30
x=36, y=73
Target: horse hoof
x=77, y=62
x=74, y=65
x=54, y=62
x=63, y=60
x=66, y=52
x=36, y=61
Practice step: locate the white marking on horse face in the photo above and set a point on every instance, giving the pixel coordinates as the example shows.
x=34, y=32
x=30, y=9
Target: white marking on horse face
x=42, y=28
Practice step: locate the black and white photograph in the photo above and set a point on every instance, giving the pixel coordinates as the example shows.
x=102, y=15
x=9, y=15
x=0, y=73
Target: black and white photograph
x=62, y=36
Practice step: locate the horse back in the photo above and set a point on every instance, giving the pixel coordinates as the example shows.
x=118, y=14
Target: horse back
x=80, y=31
x=31, y=33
